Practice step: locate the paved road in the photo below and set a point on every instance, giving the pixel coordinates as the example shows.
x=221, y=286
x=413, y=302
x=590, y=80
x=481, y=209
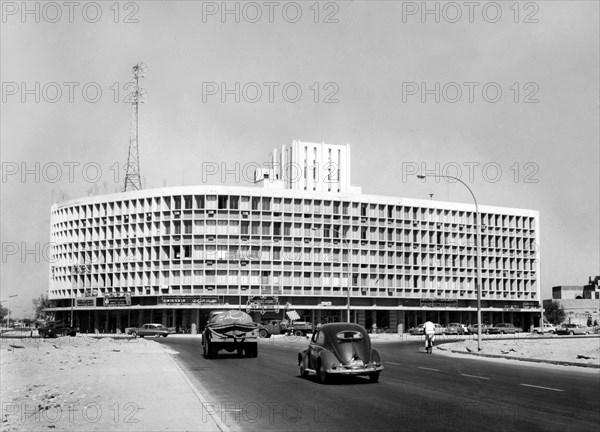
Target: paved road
x=416, y=392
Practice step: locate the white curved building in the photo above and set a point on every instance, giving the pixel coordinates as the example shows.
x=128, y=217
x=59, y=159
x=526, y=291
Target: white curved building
x=171, y=255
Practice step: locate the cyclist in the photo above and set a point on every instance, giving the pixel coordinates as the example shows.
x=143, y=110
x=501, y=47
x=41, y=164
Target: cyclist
x=429, y=330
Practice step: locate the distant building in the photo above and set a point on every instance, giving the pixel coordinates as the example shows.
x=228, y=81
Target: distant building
x=581, y=303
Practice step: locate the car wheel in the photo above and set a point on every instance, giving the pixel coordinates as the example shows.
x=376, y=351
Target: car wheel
x=502, y=332
x=263, y=333
x=212, y=351
x=374, y=377
x=571, y=333
x=303, y=372
x=323, y=375
x=536, y=332
x=587, y=333
x=251, y=349
x=165, y=335
x=134, y=334
x=298, y=333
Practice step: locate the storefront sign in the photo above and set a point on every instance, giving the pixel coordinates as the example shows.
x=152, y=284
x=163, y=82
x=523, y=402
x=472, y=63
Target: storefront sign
x=85, y=302
x=191, y=300
x=439, y=302
x=117, y=299
x=262, y=304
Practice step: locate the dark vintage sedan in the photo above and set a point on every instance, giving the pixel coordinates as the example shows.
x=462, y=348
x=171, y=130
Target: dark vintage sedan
x=504, y=328
x=340, y=349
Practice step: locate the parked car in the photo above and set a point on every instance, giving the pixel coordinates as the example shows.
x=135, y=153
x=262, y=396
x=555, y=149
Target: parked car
x=456, y=329
x=438, y=329
x=340, y=349
x=574, y=329
x=56, y=328
x=548, y=328
x=418, y=330
x=473, y=328
x=149, y=330
x=504, y=328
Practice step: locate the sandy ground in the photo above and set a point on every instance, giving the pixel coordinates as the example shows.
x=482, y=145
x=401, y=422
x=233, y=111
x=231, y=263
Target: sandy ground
x=95, y=384
x=582, y=350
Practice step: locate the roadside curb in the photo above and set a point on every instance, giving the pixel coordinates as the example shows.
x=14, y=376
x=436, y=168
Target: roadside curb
x=554, y=362
x=220, y=424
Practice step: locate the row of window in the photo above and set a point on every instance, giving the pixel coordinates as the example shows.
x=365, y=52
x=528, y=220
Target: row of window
x=289, y=255
x=253, y=290
x=305, y=279
x=288, y=205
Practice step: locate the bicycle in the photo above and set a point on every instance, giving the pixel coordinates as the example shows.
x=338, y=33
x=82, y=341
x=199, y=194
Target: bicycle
x=429, y=344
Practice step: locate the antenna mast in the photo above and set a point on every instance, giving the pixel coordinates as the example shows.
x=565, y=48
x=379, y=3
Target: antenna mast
x=138, y=95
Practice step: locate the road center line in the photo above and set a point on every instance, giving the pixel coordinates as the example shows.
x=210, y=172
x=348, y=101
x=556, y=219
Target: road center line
x=540, y=387
x=394, y=363
x=431, y=369
x=475, y=376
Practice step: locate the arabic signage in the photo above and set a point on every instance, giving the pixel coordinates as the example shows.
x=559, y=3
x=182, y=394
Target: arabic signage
x=117, y=299
x=262, y=304
x=191, y=300
x=440, y=302
x=85, y=302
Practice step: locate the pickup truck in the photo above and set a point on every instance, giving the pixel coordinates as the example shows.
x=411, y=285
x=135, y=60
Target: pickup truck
x=275, y=327
x=231, y=330
x=55, y=329
x=149, y=330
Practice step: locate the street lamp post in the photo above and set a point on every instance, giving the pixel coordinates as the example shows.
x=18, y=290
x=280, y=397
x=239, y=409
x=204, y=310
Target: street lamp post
x=349, y=264
x=478, y=237
x=239, y=261
x=240, y=280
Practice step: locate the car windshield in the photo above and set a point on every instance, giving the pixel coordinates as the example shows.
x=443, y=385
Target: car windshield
x=349, y=336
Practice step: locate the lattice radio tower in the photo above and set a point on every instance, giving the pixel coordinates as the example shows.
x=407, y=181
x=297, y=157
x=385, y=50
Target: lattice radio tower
x=138, y=96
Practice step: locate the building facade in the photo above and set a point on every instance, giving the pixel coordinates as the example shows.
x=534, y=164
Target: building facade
x=581, y=303
x=172, y=255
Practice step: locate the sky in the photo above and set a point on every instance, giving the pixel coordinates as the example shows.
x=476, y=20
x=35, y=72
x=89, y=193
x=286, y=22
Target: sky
x=503, y=95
